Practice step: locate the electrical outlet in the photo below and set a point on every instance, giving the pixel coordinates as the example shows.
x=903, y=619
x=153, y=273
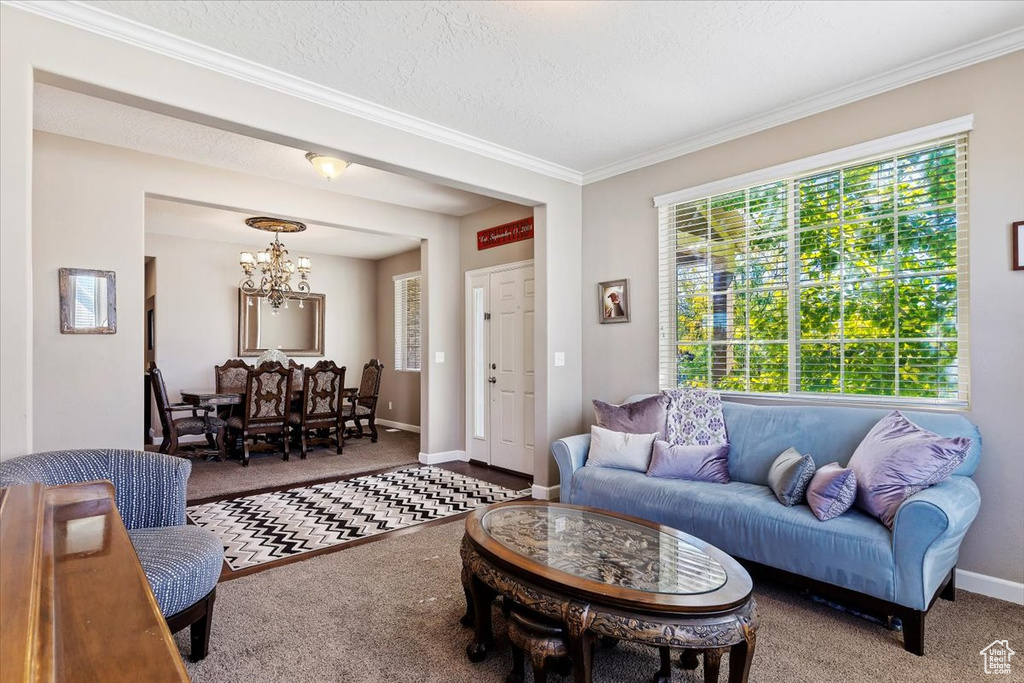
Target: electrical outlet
x=389, y=405
x=439, y=356
x=559, y=359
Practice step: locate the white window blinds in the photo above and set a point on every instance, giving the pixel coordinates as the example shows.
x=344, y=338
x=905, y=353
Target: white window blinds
x=844, y=281
x=407, y=321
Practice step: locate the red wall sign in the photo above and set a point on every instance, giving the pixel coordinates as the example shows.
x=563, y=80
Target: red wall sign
x=516, y=231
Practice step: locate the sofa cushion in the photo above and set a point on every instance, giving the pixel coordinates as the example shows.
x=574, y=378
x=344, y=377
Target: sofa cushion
x=697, y=463
x=897, y=459
x=831, y=491
x=620, y=450
x=853, y=551
x=182, y=563
x=758, y=433
x=646, y=416
x=789, y=476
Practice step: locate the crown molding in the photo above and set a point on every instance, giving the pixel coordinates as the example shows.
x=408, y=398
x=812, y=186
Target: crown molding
x=989, y=48
x=101, y=22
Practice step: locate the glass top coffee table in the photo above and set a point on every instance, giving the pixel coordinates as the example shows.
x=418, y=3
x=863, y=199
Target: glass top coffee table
x=608, y=575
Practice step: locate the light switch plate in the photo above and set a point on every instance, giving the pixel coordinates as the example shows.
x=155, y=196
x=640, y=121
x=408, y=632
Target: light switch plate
x=559, y=359
x=439, y=356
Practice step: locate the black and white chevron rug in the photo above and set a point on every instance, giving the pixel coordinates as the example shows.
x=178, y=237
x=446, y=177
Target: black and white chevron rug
x=267, y=527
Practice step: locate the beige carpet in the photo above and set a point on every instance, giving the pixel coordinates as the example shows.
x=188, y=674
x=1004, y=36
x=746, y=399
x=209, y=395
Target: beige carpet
x=389, y=611
x=216, y=479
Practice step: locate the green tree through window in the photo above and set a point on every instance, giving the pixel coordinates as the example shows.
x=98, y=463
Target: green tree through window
x=846, y=281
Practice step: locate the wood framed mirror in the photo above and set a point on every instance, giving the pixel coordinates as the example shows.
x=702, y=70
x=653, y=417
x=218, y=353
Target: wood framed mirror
x=88, y=301
x=297, y=330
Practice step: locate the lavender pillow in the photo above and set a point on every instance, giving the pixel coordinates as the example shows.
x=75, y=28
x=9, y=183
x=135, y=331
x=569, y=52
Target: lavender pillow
x=645, y=416
x=831, y=491
x=897, y=459
x=697, y=463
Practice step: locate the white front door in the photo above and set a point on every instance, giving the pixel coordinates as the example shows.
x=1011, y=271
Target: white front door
x=500, y=316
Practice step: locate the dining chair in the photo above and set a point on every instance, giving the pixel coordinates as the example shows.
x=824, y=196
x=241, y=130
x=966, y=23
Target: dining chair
x=230, y=379
x=298, y=373
x=191, y=425
x=321, y=403
x=267, y=401
x=363, y=406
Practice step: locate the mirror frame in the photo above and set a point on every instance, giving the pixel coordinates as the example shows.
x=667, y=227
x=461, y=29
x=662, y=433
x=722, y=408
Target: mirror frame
x=67, y=301
x=244, y=349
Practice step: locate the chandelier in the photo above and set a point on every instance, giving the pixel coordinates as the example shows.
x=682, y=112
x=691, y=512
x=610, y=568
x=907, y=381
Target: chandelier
x=275, y=268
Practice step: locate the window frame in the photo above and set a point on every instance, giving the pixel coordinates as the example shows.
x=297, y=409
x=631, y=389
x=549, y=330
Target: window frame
x=790, y=173
x=400, y=323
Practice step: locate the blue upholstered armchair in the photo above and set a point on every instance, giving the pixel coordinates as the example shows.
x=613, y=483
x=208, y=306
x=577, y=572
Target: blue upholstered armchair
x=182, y=563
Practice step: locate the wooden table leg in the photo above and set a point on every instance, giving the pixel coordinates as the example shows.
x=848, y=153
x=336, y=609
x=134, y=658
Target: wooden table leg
x=664, y=674
x=712, y=664
x=740, y=657
x=467, y=577
x=580, y=640
x=482, y=596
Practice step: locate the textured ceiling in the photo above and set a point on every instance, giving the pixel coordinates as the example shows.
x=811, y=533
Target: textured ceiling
x=581, y=84
x=69, y=113
x=200, y=222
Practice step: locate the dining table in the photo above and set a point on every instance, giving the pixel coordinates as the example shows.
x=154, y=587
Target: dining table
x=215, y=399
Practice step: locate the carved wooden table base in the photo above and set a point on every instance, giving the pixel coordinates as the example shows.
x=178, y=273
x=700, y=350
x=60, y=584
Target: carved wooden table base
x=711, y=634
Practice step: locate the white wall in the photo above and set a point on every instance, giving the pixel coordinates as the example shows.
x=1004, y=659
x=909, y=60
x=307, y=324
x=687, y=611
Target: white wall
x=101, y=64
x=621, y=241
x=89, y=202
x=197, y=311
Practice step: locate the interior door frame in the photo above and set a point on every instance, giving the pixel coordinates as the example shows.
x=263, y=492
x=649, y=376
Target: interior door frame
x=468, y=346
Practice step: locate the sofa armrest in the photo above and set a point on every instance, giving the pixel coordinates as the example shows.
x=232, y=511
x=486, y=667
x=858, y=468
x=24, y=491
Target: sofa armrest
x=926, y=536
x=570, y=454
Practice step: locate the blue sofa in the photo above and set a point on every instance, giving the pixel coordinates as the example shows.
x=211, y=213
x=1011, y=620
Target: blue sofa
x=182, y=562
x=854, y=558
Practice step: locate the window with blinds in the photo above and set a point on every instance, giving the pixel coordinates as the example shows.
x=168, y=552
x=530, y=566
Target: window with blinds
x=407, y=322
x=845, y=281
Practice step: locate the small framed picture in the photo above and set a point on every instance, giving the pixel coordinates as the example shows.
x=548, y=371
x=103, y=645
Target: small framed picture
x=614, y=301
x=1018, y=245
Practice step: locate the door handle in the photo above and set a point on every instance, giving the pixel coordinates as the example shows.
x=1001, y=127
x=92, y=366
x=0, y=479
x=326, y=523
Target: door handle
x=492, y=380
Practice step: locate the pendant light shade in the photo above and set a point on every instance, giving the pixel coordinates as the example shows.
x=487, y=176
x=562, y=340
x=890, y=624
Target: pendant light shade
x=329, y=167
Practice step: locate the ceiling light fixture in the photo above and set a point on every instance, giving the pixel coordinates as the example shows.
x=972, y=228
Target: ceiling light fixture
x=276, y=269
x=329, y=167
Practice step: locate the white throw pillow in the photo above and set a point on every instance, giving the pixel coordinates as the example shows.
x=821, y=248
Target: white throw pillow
x=620, y=450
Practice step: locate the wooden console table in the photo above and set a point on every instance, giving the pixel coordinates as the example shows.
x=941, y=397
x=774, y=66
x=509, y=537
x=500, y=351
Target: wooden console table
x=75, y=604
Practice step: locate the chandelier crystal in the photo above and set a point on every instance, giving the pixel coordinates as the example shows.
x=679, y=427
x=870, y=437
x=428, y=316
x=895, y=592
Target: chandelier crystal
x=275, y=268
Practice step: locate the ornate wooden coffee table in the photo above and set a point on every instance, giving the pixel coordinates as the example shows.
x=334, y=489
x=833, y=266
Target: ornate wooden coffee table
x=610, y=576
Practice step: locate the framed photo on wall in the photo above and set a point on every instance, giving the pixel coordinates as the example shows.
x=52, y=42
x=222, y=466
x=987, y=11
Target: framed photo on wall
x=613, y=301
x=1018, y=245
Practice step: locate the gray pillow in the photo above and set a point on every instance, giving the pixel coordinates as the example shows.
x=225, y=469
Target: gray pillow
x=645, y=416
x=789, y=476
x=620, y=450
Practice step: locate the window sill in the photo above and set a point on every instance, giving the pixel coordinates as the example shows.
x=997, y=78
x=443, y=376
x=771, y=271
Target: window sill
x=894, y=403
x=415, y=372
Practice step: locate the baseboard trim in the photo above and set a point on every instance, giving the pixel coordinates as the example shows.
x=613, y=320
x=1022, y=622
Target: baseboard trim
x=399, y=425
x=546, y=492
x=444, y=456
x=990, y=586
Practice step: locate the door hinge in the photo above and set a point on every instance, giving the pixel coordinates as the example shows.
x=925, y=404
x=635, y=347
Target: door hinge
x=487, y=316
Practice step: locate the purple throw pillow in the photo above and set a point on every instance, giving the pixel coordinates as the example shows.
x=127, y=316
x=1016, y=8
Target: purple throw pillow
x=645, y=416
x=897, y=459
x=832, y=491
x=697, y=463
